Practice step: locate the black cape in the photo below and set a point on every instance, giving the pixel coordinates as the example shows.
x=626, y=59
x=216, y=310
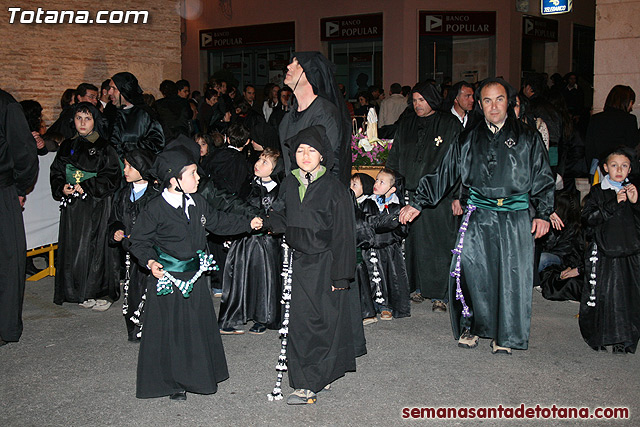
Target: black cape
x=84, y=262
x=320, y=230
x=136, y=128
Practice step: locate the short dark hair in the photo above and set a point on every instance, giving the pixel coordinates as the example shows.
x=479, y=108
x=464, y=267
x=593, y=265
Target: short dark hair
x=619, y=98
x=389, y=172
x=82, y=89
x=105, y=85
x=67, y=96
x=395, y=88
x=622, y=150
x=238, y=135
x=365, y=95
x=168, y=88
x=248, y=86
x=210, y=93
x=536, y=82
x=406, y=90
x=218, y=139
x=182, y=83
x=33, y=113
x=243, y=106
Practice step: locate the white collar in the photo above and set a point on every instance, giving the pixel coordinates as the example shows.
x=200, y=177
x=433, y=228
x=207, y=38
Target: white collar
x=137, y=187
x=606, y=185
x=235, y=148
x=364, y=196
x=175, y=200
x=394, y=199
x=104, y=104
x=491, y=126
x=463, y=119
x=269, y=185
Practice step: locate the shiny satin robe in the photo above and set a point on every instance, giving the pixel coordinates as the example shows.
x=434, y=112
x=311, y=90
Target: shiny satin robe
x=497, y=259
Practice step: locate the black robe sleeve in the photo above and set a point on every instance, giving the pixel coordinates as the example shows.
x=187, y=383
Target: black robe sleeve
x=21, y=147
x=223, y=223
x=107, y=180
x=343, y=240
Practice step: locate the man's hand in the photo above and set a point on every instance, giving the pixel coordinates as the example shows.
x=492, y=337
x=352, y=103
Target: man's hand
x=78, y=189
x=568, y=273
x=67, y=190
x=456, y=208
x=408, y=214
x=22, y=199
x=118, y=235
x=556, y=221
x=540, y=227
x=632, y=193
x=256, y=223
x=156, y=268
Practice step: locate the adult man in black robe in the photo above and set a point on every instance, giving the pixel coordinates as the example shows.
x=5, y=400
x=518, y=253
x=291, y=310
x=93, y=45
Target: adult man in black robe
x=18, y=172
x=173, y=111
x=505, y=165
x=317, y=101
x=136, y=125
x=421, y=140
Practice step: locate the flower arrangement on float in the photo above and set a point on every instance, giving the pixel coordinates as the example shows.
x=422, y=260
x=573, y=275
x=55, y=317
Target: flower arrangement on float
x=366, y=148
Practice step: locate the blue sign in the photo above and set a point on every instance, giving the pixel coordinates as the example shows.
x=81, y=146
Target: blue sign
x=554, y=7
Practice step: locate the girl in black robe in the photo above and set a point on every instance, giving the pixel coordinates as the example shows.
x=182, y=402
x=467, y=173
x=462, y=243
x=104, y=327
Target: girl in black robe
x=252, y=281
x=319, y=226
x=129, y=202
x=609, y=312
x=181, y=349
x=84, y=177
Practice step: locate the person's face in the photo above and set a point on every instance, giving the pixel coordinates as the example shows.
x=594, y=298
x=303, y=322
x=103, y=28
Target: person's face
x=223, y=87
x=104, y=96
x=465, y=99
x=356, y=187
x=285, y=96
x=131, y=174
x=114, y=94
x=375, y=94
x=516, y=109
x=84, y=123
x=618, y=167
x=274, y=92
x=494, y=103
x=190, y=179
x=572, y=80
x=308, y=158
x=91, y=96
x=184, y=92
x=211, y=101
x=250, y=94
x=362, y=100
x=263, y=167
x=204, y=147
x=294, y=72
x=383, y=186
x=420, y=106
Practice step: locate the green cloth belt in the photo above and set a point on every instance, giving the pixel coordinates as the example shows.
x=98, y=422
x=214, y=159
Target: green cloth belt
x=553, y=156
x=170, y=263
x=508, y=204
x=76, y=176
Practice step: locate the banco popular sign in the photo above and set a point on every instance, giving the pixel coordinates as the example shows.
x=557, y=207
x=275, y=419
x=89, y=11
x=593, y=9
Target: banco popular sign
x=453, y=23
x=351, y=27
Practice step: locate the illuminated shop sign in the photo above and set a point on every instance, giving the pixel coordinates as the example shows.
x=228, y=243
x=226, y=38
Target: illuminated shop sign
x=542, y=29
x=442, y=23
x=351, y=27
x=554, y=7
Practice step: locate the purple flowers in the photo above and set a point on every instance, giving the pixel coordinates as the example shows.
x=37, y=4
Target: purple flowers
x=377, y=154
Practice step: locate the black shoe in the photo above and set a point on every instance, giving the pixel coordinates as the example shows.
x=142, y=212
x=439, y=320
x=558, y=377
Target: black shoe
x=258, y=329
x=599, y=348
x=181, y=395
x=2, y=342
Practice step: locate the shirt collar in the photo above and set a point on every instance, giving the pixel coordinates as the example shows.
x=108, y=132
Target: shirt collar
x=137, y=187
x=494, y=128
x=608, y=184
x=175, y=200
x=463, y=119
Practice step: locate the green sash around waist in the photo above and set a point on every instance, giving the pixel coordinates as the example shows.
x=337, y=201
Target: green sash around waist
x=509, y=204
x=170, y=263
x=76, y=176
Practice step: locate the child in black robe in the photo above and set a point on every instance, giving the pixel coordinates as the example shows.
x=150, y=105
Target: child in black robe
x=129, y=202
x=318, y=221
x=609, y=313
x=252, y=281
x=181, y=349
x=383, y=255
x=84, y=177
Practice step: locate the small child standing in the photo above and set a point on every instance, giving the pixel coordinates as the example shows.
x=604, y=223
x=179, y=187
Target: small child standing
x=181, y=349
x=319, y=225
x=252, y=283
x=129, y=202
x=362, y=186
x=609, y=312
x=383, y=258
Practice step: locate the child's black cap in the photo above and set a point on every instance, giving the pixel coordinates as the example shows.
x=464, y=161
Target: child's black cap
x=316, y=137
x=142, y=161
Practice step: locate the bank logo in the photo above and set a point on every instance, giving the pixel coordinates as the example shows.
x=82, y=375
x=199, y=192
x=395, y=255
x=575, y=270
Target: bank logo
x=207, y=40
x=528, y=26
x=332, y=29
x=433, y=23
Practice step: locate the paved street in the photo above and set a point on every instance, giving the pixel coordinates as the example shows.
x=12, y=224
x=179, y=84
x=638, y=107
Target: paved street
x=74, y=367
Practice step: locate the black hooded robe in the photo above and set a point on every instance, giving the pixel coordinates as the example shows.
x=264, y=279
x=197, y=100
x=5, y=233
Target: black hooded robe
x=615, y=228
x=83, y=264
x=18, y=172
x=418, y=148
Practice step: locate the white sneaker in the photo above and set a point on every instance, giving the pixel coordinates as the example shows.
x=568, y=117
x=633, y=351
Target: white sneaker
x=88, y=303
x=102, y=305
x=217, y=295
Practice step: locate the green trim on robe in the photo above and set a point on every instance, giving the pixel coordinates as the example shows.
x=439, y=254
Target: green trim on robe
x=302, y=189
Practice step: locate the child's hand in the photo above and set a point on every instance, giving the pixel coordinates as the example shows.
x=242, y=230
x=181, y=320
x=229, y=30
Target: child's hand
x=118, y=235
x=156, y=268
x=78, y=189
x=556, y=222
x=67, y=189
x=568, y=273
x=256, y=223
x=632, y=193
x=622, y=196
